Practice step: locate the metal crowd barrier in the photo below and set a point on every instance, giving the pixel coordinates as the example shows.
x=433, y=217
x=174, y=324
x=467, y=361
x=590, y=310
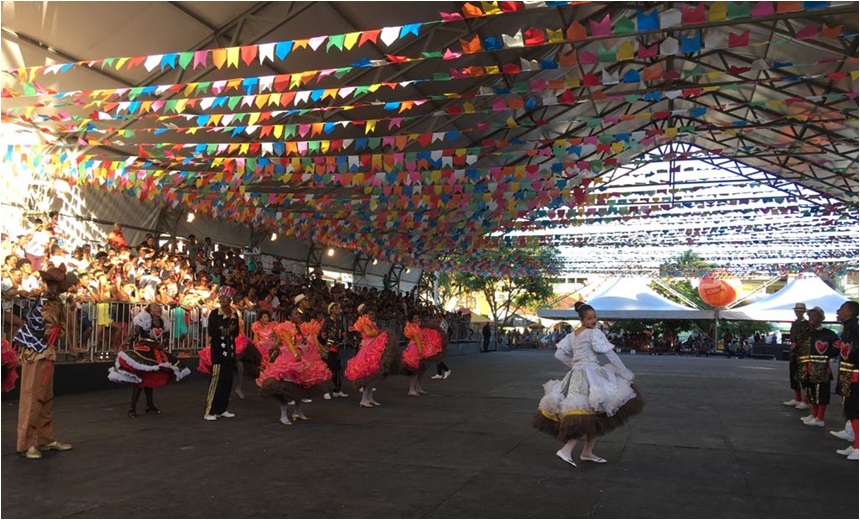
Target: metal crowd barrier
x=97, y=331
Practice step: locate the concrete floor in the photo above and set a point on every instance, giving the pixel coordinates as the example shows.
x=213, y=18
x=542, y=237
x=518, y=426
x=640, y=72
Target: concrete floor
x=714, y=441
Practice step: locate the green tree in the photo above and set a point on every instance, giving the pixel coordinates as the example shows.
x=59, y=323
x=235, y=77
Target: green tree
x=508, y=290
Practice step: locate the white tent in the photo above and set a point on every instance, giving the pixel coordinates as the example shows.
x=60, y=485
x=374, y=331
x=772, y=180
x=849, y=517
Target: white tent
x=631, y=299
x=806, y=288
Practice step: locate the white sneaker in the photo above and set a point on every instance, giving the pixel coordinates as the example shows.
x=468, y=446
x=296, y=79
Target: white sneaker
x=286, y=421
x=807, y=418
x=802, y=406
x=307, y=400
x=855, y=455
x=437, y=376
x=341, y=394
x=841, y=434
x=210, y=417
x=847, y=451
x=815, y=422
x=447, y=373
x=327, y=396
x=793, y=402
x=228, y=415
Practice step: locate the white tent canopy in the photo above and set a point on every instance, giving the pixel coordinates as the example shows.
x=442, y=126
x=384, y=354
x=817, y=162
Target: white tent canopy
x=806, y=288
x=630, y=299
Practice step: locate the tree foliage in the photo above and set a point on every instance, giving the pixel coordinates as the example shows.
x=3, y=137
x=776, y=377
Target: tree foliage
x=506, y=292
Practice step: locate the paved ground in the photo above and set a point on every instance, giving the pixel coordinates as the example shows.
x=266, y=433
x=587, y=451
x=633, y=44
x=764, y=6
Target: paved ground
x=714, y=441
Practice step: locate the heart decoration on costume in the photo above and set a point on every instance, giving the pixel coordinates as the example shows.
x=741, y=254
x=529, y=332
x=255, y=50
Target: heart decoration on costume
x=844, y=349
x=821, y=347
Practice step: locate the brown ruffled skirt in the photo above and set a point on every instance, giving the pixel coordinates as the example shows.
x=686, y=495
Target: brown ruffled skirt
x=588, y=425
x=287, y=391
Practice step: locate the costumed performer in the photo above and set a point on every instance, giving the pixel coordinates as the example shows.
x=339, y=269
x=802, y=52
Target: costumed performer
x=799, y=328
x=37, y=341
x=847, y=381
x=143, y=362
x=376, y=356
x=223, y=329
x=290, y=375
x=815, y=372
x=10, y=366
x=591, y=400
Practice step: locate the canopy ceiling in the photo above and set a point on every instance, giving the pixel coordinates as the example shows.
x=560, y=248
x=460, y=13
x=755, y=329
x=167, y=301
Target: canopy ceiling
x=406, y=130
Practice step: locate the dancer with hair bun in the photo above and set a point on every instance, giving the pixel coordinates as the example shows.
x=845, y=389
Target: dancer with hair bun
x=378, y=353
x=591, y=400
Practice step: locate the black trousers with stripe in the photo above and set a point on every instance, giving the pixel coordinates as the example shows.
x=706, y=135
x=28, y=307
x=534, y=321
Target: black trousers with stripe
x=220, y=386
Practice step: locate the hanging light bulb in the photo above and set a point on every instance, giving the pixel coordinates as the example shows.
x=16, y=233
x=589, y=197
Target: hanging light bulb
x=408, y=270
x=375, y=261
x=331, y=251
x=274, y=236
x=190, y=217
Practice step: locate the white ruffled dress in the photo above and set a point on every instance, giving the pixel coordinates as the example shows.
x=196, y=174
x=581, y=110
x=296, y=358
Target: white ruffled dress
x=588, y=387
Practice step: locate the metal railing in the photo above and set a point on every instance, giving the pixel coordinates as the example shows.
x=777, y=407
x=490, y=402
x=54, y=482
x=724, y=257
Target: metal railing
x=95, y=331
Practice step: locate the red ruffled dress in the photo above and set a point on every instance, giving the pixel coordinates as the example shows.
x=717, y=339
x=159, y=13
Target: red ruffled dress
x=10, y=366
x=288, y=378
x=144, y=362
x=377, y=354
x=434, y=344
x=264, y=337
x=412, y=355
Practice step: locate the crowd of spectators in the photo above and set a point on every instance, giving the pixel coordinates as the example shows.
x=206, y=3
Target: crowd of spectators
x=115, y=275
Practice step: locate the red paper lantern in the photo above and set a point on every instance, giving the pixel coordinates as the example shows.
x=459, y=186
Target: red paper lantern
x=719, y=288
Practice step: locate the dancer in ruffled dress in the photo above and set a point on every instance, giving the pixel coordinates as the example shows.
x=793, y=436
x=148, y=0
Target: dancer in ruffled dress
x=376, y=356
x=263, y=331
x=297, y=371
x=591, y=400
x=143, y=361
x=10, y=366
x=426, y=345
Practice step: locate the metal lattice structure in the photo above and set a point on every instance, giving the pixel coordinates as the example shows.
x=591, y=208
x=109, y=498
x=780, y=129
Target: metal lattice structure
x=510, y=134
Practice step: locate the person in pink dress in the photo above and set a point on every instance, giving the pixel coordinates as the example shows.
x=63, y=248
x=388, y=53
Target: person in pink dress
x=295, y=370
x=263, y=332
x=378, y=353
x=10, y=366
x=427, y=345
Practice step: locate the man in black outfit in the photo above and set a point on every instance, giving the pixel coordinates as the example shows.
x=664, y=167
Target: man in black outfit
x=332, y=336
x=223, y=329
x=487, y=335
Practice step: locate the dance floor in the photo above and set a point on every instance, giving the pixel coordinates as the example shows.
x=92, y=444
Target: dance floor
x=714, y=441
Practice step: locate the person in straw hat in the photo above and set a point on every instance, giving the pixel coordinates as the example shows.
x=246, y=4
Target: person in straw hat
x=799, y=328
x=37, y=342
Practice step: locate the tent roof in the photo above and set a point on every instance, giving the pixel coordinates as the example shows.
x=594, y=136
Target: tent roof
x=409, y=129
x=630, y=299
x=779, y=306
